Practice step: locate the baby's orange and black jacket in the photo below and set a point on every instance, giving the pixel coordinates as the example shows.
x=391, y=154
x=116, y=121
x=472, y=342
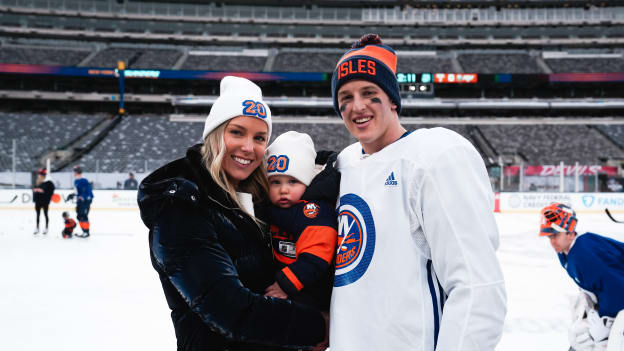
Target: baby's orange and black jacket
x=70, y=224
x=304, y=244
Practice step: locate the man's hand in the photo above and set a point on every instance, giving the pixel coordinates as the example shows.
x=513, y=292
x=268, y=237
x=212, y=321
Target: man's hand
x=275, y=291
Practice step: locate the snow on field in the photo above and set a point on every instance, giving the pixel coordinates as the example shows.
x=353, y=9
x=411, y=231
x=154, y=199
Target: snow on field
x=102, y=293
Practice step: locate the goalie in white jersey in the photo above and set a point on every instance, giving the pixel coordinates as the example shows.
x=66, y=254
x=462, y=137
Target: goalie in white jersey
x=416, y=267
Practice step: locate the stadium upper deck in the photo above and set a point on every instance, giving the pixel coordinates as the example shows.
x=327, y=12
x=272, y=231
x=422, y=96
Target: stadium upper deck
x=313, y=25
x=306, y=60
x=483, y=37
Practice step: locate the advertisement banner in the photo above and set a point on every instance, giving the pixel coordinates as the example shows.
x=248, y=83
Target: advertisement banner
x=460, y=78
x=580, y=202
x=551, y=170
x=111, y=200
x=111, y=72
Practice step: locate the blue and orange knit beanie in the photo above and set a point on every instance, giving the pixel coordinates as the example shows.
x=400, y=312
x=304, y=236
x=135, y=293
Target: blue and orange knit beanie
x=368, y=60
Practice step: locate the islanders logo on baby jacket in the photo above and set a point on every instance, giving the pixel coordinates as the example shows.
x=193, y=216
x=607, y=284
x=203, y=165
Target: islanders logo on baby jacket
x=356, y=239
x=311, y=210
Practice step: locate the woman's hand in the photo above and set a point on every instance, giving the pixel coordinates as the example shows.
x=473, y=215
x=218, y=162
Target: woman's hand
x=275, y=291
x=323, y=345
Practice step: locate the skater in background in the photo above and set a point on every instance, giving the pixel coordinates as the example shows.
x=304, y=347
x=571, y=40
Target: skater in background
x=70, y=224
x=42, y=194
x=303, y=220
x=208, y=237
x=416, y=265
x=130, y=183
x=596, y=264
x=84, y=196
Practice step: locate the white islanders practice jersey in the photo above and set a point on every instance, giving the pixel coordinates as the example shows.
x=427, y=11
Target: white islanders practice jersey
x=416, y=267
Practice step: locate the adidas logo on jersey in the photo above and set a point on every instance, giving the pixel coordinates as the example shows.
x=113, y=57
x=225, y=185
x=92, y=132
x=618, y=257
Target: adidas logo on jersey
x=391, y=181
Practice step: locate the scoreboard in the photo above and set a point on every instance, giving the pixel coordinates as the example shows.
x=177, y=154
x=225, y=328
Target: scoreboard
x=427, y=78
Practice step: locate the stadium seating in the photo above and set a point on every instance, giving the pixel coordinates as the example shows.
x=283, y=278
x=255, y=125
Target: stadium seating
x=36, y=134
x=326, y=136
x=157, y=59
x=108, y=57
x=225, y=63
x=304, y=60
x=431, y=64
x=41, y=56
x=142, y=141
x=586, y=65
x=551, y=144
x=287, y=61
x=615, y=132
x=145, y=58
x=498, y=63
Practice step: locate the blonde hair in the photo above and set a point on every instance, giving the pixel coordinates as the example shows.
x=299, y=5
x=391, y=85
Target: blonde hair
x=213, y=151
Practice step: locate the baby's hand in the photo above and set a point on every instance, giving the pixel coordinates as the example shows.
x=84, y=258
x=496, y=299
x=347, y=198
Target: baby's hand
x=275, y=291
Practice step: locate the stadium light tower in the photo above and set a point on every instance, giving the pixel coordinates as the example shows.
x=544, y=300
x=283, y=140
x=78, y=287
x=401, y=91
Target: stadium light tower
x=120, y=73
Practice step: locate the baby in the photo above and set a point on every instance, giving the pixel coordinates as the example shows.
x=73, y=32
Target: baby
x=303, y=220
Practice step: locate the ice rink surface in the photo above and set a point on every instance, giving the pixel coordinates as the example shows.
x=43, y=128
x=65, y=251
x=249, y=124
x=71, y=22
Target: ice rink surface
x=101, y=293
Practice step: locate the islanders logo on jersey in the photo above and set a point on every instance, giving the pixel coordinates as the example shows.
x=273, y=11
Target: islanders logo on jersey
x=311, y=210
x=356, y=239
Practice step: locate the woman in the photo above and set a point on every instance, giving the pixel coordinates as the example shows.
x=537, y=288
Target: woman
x=208, y=239
x=42, y=194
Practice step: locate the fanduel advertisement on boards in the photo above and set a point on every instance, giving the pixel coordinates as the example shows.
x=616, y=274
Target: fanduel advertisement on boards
x=508, y=202
x=581, y=202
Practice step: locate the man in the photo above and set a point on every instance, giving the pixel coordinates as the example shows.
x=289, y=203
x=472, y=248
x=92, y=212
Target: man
x=130, y=183
x=416, y=267
x=84, y=196
x=596, y=264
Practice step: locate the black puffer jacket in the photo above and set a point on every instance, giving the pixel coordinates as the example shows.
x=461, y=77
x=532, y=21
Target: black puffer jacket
x=214, y=264
x=43, y=198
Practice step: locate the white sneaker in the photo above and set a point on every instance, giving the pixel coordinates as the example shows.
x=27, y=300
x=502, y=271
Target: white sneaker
x=36, y=231
x=45, y=231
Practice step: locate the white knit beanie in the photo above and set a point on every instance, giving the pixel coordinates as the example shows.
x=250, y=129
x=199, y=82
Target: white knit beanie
x=239, y=97
x=292, y=154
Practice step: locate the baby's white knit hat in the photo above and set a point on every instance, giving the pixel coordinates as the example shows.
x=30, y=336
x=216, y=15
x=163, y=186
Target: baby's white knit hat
x=239, y=97
x=292, y=154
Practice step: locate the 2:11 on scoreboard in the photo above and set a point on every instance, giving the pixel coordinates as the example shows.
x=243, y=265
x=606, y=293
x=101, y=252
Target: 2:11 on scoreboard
x=414, y=78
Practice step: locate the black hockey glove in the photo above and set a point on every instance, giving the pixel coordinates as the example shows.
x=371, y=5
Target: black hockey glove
x=326, y=184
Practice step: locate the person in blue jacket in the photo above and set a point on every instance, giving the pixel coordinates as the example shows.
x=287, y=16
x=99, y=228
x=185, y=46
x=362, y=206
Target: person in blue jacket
x=594, y=262
x=84, y=196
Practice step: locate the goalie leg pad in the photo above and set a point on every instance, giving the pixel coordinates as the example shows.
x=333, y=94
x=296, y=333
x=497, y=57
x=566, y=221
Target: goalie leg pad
x=616, y=337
